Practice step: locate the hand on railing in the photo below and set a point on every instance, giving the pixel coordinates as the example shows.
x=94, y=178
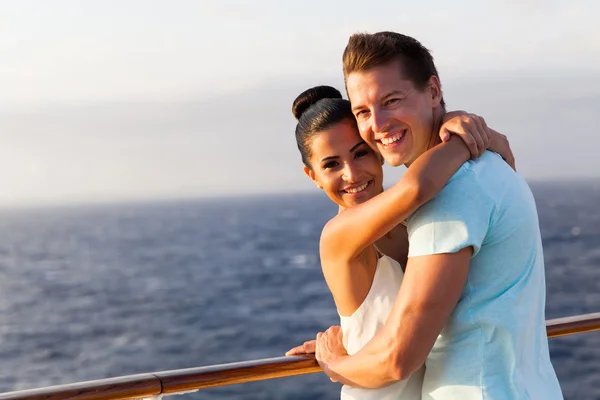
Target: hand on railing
x=177, y=381
x=308, y=347
x=330, y=347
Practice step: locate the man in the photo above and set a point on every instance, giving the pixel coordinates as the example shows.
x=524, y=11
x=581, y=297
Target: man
x=471, y=306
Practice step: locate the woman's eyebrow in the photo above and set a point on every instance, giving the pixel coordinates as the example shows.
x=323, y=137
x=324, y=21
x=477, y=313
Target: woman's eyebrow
x=329, y=158
x=357, y=145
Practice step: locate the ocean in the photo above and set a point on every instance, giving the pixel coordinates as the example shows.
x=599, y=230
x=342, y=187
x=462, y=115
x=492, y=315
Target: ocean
x=89, y=292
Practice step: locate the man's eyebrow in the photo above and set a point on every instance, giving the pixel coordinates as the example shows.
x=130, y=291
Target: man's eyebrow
x=392, y=93
x=356, y=108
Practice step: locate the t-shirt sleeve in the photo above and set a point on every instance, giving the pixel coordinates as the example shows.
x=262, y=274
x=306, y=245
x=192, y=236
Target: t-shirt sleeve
x=458, y=217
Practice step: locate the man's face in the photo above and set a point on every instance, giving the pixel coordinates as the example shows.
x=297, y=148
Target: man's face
x=394, y=117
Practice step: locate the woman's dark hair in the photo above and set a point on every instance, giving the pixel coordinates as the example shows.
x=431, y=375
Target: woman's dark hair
x=318, y=109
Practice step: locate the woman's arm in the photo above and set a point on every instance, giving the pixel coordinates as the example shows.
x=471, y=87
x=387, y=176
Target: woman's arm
x=395, y=244
x=499, y=144
x=340, y=241
x=460, y=122
x=345, y=236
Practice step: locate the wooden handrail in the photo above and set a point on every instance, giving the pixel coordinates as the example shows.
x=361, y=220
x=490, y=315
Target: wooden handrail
x=571, y=325
x=191, y=379
x=184, y=380
x=172, y=382
x=125, y=387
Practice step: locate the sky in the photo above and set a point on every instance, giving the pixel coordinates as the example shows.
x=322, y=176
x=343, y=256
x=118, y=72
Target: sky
x=123, y=100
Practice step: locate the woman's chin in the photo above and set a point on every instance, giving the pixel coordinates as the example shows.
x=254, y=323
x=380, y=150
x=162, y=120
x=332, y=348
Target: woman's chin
x=356, y=200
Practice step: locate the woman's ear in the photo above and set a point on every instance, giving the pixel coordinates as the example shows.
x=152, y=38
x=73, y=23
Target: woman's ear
x=311, y=174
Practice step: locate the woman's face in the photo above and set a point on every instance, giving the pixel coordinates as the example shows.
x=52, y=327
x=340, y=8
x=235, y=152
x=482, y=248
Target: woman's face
x=344, y=166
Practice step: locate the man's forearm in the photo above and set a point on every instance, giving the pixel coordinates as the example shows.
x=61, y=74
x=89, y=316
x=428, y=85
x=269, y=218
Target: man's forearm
x=430, y=290
x=372, y=367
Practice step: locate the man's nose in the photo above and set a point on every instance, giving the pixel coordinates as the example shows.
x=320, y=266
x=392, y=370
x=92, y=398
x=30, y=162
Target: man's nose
x=380, y=121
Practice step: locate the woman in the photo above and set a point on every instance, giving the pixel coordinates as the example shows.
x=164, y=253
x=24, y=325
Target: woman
x=339, y=162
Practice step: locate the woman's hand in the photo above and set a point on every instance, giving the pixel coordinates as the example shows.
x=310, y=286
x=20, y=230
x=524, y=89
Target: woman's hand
x=329, y=348
x=308, y=347
x=473, y=130
x=501, y=146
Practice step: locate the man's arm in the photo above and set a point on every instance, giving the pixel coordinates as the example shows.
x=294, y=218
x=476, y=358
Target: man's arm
x=430, y=290
x=443, y=234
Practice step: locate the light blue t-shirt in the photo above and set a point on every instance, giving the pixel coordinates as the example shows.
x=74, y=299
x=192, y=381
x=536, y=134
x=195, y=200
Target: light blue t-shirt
x=494, y=346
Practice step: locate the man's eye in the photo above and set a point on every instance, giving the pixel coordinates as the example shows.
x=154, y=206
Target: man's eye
x=391, y=102
x=362, y=113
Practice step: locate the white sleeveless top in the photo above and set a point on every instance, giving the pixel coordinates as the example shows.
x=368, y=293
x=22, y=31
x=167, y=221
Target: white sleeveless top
x=362, y=325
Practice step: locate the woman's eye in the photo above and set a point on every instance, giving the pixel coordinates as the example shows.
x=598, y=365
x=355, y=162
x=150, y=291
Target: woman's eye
x=331, y=164
x=361, y=153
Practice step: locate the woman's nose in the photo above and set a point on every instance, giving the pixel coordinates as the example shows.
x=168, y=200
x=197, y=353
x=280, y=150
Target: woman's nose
x=350, y=173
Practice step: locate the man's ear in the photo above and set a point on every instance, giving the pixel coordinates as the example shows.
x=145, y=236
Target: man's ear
x=311, y=174
x=435, y=89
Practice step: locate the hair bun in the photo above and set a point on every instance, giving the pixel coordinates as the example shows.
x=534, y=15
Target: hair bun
x=311, y=96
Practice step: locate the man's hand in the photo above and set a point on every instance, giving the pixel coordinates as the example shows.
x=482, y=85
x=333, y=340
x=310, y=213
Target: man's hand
x=471, y=128
x=308, y=347
x=329, y=348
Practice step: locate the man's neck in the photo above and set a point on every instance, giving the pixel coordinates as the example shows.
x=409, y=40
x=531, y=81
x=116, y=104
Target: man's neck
x=438, y=116
x=434, y=139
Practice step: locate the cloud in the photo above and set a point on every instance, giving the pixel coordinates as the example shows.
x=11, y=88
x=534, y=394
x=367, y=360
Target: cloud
x=140, y=50
x=244, y=142
x=148, y=99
